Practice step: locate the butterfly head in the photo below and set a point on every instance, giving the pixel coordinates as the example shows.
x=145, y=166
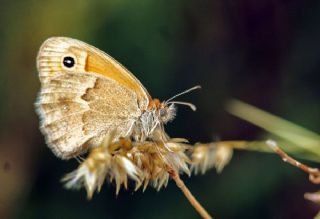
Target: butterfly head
x=166, y=110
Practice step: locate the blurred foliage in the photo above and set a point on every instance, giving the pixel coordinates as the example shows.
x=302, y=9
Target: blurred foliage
x=296, y=140
x=265, y=53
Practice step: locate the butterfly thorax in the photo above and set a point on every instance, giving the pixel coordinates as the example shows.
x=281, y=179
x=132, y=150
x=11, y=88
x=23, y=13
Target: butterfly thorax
x=152, y=120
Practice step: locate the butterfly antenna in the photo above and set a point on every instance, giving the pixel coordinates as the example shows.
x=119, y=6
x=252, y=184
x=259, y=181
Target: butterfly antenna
x=184, y=92
x=192, y=106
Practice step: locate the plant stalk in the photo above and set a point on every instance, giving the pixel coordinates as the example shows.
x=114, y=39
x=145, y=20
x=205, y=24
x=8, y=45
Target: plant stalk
x=193, y=201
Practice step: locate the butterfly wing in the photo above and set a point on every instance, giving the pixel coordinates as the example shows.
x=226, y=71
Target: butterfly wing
x=78, y=105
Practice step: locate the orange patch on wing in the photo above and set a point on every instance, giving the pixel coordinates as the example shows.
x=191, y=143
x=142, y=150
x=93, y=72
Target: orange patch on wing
x=111, y=69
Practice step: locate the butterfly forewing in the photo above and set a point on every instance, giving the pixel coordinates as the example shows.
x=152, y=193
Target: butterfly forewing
x=79, y=104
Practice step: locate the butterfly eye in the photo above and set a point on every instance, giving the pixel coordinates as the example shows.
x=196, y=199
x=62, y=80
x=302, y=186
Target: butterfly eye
x=163, y=112
x=68, y=61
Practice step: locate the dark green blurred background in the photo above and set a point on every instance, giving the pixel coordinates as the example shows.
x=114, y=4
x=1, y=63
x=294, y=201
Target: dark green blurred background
x=264, y=52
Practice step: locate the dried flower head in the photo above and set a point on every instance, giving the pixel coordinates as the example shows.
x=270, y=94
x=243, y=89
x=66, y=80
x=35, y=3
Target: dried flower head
x=143, y=162
x=206, y=156
x=146, y=163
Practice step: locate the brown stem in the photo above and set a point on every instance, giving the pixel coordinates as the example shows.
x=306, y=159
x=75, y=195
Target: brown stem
x=314, y=173
x=193, y=201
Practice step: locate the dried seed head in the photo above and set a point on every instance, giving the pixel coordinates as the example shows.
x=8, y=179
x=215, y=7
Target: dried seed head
x=142, y=162
x=146, y=163
x=206, y=156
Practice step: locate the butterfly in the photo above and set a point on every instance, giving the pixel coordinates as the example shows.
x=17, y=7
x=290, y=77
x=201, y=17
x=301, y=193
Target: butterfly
x=85, y=94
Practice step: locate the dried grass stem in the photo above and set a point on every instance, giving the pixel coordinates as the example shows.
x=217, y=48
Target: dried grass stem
x=193, y=201
x=314, y=173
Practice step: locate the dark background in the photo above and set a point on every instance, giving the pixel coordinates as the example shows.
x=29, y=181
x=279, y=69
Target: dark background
x=265, y=52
